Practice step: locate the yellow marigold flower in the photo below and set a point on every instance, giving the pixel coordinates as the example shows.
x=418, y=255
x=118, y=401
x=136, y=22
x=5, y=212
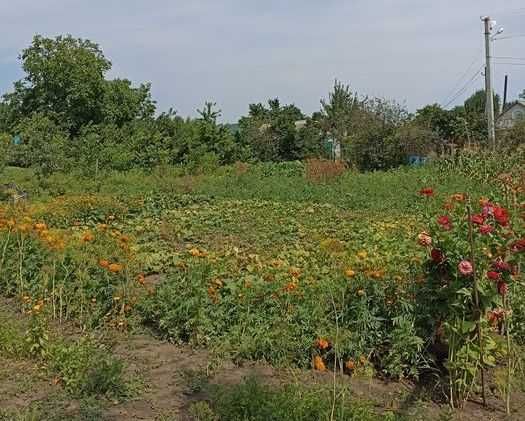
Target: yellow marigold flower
x=362, y=254
x=350, y=273
x=195, y=252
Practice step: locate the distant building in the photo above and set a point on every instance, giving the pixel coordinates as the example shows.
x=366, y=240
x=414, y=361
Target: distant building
x=512, y=115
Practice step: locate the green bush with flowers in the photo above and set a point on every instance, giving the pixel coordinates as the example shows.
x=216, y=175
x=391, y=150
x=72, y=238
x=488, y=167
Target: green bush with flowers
x=473, y=272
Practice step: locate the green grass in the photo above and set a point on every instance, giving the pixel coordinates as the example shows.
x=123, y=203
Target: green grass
x=255, y=401
x=391, y=191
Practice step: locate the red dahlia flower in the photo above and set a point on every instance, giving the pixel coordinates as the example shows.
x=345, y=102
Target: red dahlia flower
x=503, y=288
x=493, y=275
x=445, y=222
x=518, y=246
x=501, y=266
x=501, y=215
x=437, y=256
x=427, y=191
x=477, y=219
x=485, y=229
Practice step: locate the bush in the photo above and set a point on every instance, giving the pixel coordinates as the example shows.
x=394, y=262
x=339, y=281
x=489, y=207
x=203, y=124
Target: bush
x=86, y=369
x=4, y=150
x=43, y=146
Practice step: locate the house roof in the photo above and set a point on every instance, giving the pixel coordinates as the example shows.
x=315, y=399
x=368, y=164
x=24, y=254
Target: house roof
x=511, y=106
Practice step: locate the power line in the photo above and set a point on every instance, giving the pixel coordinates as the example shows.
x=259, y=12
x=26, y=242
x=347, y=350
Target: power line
x=509, y=58
x=465, y=87
x=509, y=37
x=458, y=83
x=512, y=64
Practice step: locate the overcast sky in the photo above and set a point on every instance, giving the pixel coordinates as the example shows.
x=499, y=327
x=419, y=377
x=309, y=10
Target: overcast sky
x=236, y=52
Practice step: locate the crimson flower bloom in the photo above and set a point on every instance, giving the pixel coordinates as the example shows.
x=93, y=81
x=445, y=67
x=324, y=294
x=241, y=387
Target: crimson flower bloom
x=493, y=275
x=445, y=222
x=501, y=215
x=427, y=191
x=437, y=256
x=465, y=268
x=503, y=288
x=477, y=219
x=518, y=246
x=501, y=266
x=486, y=229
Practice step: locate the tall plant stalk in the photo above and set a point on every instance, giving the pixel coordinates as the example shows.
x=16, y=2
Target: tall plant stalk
x=476, y=300
x=506, y=311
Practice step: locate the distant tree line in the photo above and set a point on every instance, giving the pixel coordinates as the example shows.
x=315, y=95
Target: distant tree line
x=69, y=115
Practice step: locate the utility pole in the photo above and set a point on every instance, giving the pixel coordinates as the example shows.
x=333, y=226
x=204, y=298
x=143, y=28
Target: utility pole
x=504, y=103
x=488, y=83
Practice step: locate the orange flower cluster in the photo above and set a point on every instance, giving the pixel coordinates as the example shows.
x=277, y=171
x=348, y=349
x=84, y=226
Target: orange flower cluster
x=111, y=267
x=322, y=344
x=87, y=237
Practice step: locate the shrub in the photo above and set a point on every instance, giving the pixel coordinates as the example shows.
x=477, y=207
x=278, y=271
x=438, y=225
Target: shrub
x=86, y=369
x=43, y=145
x=322, y=171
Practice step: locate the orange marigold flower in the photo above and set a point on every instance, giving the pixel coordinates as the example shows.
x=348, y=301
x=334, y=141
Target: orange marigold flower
x=195, y=252
x=40, y=226
x=294, y=272
x=350, y=365
x=141, y=279
x=322, y=344
x=87, y=237
x=115, y=267
x=349, y=273
x=103, y=263
x=318, y=363
x=458, y=197
x=290, y=286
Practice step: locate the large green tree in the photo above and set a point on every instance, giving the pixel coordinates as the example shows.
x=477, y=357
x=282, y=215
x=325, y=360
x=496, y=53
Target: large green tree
x=65, y=80
x=339, y=112
x=271, y=132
